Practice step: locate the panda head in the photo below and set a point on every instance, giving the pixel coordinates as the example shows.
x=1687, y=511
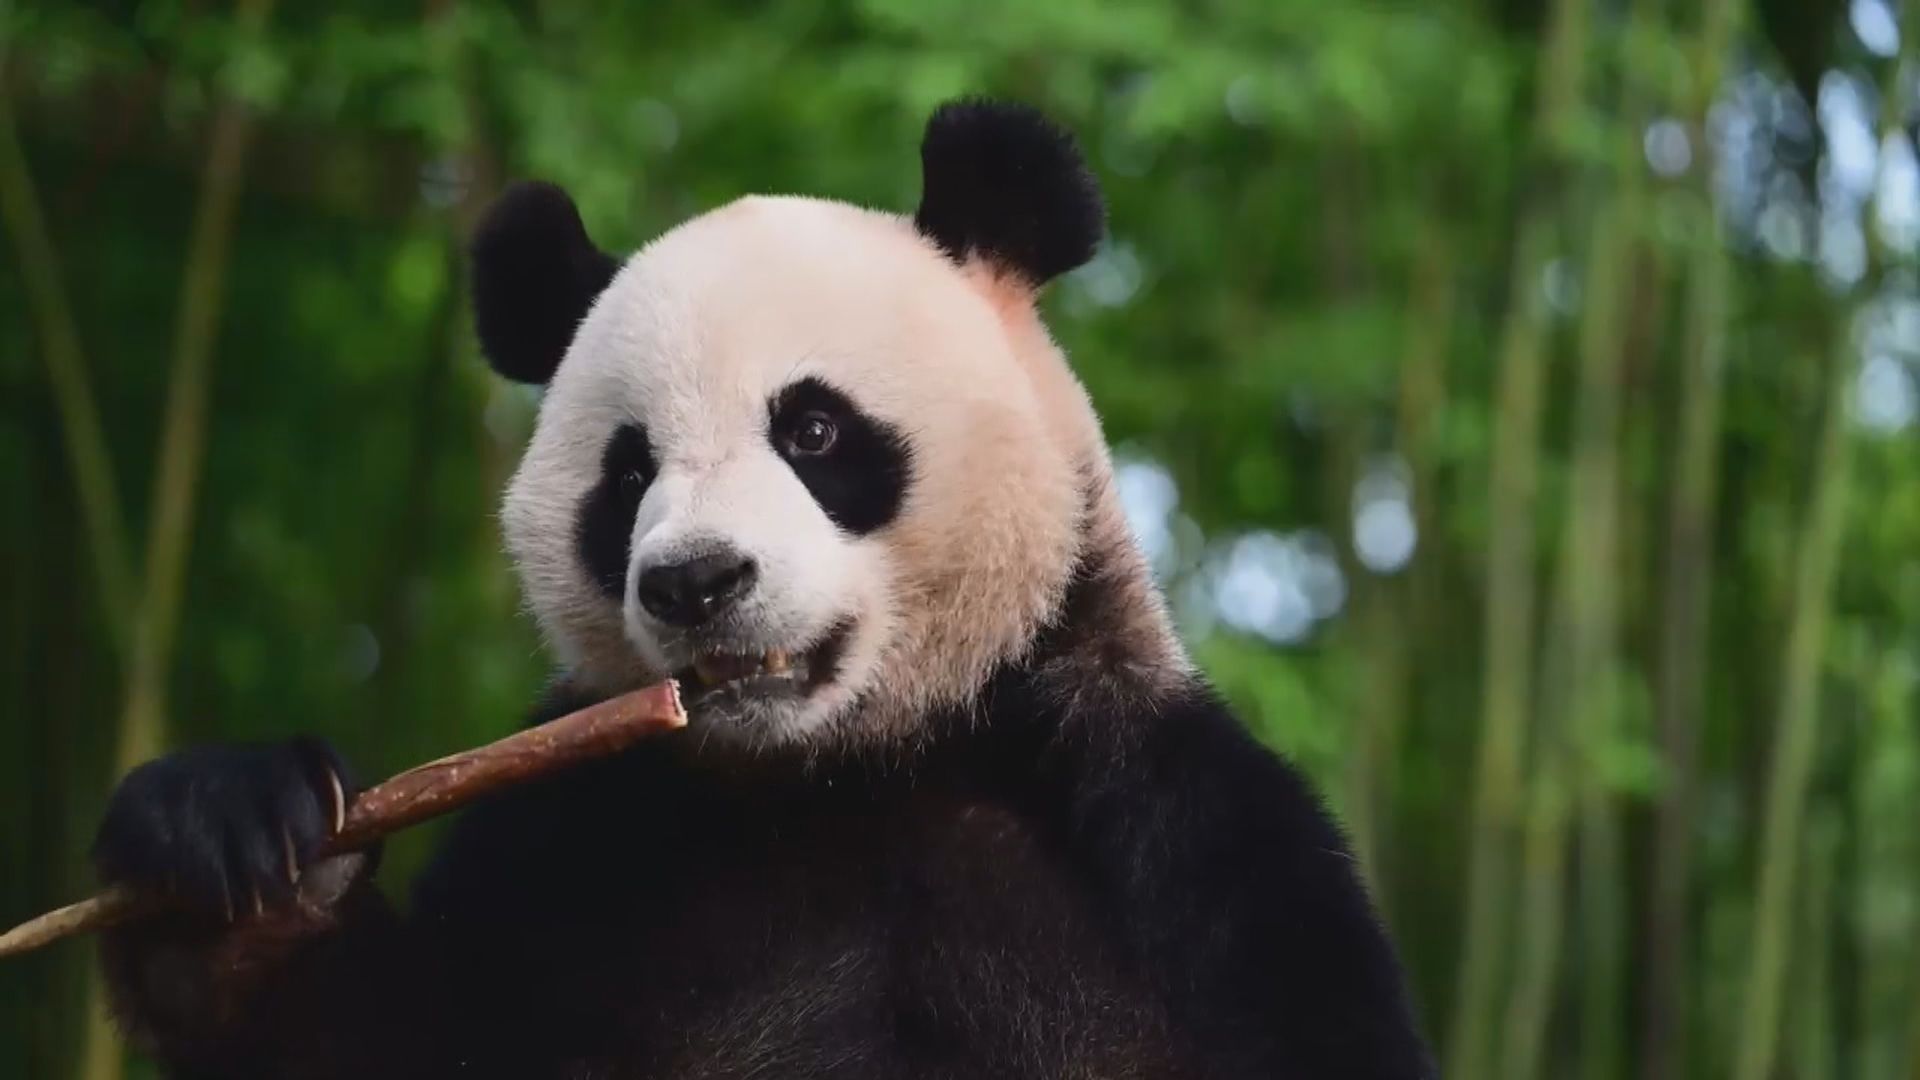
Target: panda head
x=821, y=463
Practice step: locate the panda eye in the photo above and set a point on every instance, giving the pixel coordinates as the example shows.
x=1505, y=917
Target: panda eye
x=812, y=436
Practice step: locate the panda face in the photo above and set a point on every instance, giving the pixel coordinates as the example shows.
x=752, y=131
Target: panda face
x=797, y=458
x=822, y=464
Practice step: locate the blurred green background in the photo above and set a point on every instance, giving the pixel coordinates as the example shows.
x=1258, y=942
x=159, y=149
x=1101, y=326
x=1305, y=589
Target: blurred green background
x=1518, y=397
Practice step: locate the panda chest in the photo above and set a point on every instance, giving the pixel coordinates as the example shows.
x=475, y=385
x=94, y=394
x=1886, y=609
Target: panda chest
x=907, y=934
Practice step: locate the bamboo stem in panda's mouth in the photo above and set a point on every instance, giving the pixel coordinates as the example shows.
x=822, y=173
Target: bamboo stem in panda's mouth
x=424, y=792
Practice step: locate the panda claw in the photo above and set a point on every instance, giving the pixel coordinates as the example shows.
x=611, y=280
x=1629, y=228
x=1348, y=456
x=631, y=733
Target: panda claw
x=339, y=801
x=292, y=858
x=227, y=830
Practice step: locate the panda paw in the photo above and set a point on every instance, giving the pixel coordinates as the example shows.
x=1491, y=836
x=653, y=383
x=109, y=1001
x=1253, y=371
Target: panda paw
x=227, y=830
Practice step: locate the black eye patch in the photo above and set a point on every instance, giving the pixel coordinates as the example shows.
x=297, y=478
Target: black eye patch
x=603, y=527
x=861, y=481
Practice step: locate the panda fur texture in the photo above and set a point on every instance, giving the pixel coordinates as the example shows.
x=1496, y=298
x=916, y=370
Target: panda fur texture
x=953, y=802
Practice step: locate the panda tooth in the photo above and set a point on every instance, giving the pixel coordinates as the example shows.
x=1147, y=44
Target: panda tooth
x=775, y=662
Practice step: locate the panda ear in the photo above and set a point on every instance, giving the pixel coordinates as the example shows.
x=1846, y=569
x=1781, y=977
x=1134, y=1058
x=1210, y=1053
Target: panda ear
x=535, y=273
x=1002, y=182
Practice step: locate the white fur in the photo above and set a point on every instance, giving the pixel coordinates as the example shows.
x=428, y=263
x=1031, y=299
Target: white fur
x=693, y=337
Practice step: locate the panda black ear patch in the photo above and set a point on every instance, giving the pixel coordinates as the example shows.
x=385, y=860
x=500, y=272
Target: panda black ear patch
x=535, y=274
x=1004, y=183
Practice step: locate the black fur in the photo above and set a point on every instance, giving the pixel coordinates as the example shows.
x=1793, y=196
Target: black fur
x=220, y=828
x=535, y=275
x=603, y=526
x=862, y=481
x=1002, y=182
x=1049, y=889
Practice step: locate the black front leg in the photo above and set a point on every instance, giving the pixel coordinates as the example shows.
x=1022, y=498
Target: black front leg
x=1238, y=894
x=270, y=959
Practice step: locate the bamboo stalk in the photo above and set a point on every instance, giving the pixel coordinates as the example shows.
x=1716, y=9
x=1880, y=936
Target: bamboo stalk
x=80, y=424
x=1813, y=1024
x=1816, y=565
x=446, y=343
x=1881, y=975
x=1510, y=567
x=1586, y=706
x=1683, y=648
x=1794, y=737
x=184, y=429
x=1540, y=925
x=87, y=454
x=419, y=794
x=1593, y=546
x=142, y=724
x=1686, y=582
x=1497, y=786
x=1387, y=607
x=1886, y=861
x=1423, y=382
x=1576, y=717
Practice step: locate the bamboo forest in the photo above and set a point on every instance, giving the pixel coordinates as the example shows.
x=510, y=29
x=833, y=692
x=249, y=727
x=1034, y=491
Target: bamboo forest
x=1518, y=400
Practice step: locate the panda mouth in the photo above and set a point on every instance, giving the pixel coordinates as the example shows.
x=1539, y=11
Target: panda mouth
x=773, y=669
x=721, y=672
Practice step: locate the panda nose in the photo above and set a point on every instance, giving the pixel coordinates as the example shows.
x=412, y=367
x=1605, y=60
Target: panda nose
x=693, y=591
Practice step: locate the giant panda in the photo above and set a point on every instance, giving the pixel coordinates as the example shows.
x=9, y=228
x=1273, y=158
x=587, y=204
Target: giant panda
x=953, y=801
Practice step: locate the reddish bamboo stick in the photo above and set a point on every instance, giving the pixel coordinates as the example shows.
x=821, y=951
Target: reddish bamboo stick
x=427, y=791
